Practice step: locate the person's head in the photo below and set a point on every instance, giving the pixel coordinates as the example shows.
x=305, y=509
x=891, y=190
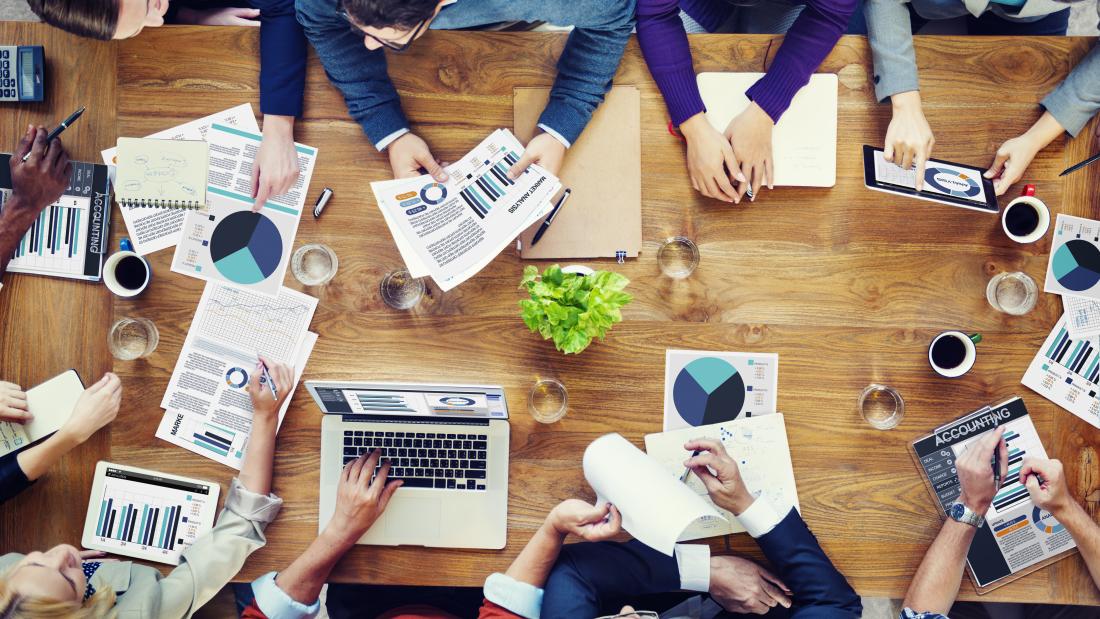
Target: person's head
x=50, y=584
x=101, y=19
x=391, y=23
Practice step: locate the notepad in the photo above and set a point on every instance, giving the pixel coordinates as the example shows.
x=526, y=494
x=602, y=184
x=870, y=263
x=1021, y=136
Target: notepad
x=161, y=173
x=804, y=139
x=51, y=403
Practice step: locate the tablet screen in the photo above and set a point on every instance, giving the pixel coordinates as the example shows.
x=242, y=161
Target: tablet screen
x=940, y=178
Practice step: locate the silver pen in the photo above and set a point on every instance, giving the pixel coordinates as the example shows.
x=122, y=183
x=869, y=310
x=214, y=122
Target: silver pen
x=326, y=195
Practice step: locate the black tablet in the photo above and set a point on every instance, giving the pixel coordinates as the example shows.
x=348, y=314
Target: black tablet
x=944, y=182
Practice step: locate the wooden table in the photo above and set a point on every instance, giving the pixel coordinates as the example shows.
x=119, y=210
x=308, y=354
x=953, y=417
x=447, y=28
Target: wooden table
x=847, y=285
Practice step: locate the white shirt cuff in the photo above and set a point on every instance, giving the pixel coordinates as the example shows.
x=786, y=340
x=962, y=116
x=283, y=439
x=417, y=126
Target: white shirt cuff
x=386, y=141
x=557, y=136
x=760, y=518
x=521, y=598
x=693, y=561
x=276, y=604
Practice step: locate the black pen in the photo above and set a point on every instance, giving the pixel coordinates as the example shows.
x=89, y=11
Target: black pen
x=997, y=467
x=1078, y=166
x=687, y=470
x=63, y=126
x=550, y=218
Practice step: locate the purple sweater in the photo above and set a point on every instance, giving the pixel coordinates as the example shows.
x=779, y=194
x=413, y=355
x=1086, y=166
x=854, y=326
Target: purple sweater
x=665, y=47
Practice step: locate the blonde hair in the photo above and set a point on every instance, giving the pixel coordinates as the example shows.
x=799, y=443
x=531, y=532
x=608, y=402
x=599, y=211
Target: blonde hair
x=15, y=606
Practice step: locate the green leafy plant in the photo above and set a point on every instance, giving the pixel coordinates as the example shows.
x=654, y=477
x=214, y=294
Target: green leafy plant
x=570, y=308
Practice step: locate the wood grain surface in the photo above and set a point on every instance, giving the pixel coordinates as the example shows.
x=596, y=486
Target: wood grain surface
x=847, y=285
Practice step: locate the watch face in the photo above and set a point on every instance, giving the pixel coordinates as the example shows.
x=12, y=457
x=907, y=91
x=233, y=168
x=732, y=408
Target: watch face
x=957, y=510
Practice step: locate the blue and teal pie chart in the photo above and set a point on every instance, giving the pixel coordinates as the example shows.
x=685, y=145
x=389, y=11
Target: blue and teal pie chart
x=708, y=390
x=1076, y=265
x=246, y=247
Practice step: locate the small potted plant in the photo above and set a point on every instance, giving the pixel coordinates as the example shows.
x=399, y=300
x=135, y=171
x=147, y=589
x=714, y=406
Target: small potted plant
x=572, y=307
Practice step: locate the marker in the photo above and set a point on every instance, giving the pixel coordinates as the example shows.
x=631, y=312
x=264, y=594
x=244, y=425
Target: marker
x=687, y=470
x=63, y=126
x=270, y=381
x=550, y=218
x=326, y=195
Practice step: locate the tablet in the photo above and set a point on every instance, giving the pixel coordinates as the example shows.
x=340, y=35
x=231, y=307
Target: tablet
x=944, y=182
x=146, y=514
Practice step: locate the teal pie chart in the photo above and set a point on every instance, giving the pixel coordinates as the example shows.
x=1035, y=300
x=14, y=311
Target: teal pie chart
x=1076, y=265
x=708, y=390
x=246, y=247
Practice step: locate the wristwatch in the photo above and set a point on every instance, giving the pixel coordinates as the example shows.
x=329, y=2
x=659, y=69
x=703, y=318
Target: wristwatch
x=959, y=512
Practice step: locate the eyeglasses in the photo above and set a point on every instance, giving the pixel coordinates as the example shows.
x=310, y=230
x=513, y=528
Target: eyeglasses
x=390, y=45
x=641, y=614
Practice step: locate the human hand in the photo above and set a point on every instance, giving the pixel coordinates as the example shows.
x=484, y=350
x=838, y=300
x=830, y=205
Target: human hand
x=724, y=485
x=13, y=403
x=228, y=16
x=1051, y=493
x=265, y=407
x=41, y=179
x=359, y=500
x=711, y=163
x=975, y=471
x=750, y=133
x=741, y=586
x=409, y=153
x=543, y=149
x=587, y=522
x=909, y=138
x=95, y=408
x=1011, y=161
x=276, y=165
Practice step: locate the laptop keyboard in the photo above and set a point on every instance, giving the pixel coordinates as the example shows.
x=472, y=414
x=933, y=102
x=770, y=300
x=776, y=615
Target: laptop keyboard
x=442, y=461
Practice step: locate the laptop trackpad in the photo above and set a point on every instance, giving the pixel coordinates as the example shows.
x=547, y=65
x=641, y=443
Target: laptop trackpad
x=413, y=521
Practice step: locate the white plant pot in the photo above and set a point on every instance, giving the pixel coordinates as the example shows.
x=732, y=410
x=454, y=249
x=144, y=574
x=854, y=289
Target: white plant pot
x=579, y=269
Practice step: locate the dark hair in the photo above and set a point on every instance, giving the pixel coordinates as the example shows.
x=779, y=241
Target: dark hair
x=96, y=19
x=405, y=14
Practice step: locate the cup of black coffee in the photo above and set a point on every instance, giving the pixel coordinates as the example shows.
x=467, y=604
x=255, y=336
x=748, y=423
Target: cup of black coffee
x=951, y=354
x=125, y=272
x=1026, y=219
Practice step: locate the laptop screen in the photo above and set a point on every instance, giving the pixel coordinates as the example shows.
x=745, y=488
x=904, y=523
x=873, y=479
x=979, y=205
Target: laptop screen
x=412, y=401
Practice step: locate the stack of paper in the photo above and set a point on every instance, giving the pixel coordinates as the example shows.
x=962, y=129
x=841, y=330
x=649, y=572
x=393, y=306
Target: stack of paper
x=452, y=230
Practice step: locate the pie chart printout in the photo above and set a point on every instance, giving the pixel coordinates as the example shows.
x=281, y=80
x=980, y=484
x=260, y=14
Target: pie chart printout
x=708, y=390
x=246, y=247
x=1076, y=265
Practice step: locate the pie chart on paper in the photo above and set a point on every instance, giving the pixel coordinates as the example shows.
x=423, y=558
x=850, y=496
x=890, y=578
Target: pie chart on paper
x=1076, y=265
x=708, y=390
x=246, y=247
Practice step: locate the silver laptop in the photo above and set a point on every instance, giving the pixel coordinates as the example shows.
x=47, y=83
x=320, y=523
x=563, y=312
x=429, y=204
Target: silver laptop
x=449, y=443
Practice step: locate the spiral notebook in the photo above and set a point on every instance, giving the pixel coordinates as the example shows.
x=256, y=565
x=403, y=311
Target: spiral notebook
x=161, y=173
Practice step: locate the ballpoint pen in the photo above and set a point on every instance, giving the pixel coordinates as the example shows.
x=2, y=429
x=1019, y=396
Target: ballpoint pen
x=550, y=218
x=63, y=126
x=687, y=470
x=270, y=382
x=1078, y=166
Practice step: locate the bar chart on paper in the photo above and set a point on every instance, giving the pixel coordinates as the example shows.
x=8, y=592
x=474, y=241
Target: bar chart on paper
x=151, y=513
x=1066, y=371
x=487, y=182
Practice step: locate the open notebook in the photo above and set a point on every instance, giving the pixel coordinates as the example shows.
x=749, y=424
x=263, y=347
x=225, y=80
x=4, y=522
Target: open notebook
x=50, y=403
x=804, y=139
x=161, y=173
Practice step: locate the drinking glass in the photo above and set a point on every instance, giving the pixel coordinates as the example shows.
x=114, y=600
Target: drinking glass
x=132, y=338
x=400, y=290
x=678, y=257
x=314, y=264
x=548, y=401
x=1012, y=293
x=881, y=406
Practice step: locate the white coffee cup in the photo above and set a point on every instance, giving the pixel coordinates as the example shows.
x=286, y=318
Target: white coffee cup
x=970, y=354
x=110, y=266
x=1028, y=198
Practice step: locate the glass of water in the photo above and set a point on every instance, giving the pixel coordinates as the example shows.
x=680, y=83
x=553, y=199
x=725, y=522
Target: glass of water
x=548, y=401
x=132, y=338
x=314, y=264
x=1012, y=293
x=400, y=290
x=881, y=406
x=678, y=257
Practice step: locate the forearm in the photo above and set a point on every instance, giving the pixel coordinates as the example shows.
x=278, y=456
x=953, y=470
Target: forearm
x=278, y=126
x=39, y=458
x=1045, y=130
x=259, y=456
x=14, y=222
x=936, y=583
x=537, y=558
x=1086, y=534
x=303, y=579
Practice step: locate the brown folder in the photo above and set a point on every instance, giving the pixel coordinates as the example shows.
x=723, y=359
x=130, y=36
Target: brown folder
x=603, y=217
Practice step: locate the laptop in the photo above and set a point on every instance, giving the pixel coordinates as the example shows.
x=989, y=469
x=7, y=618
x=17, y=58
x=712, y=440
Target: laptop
x=449, y=443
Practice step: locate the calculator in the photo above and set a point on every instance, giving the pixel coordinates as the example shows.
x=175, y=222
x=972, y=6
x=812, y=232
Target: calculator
x=21, y=72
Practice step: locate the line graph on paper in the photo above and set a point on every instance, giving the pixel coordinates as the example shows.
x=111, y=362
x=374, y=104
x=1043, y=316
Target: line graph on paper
x=1082, y=316
x=256, y=322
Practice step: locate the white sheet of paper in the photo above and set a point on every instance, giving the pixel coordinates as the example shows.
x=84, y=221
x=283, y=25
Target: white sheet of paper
x=1074, y=265
x=804, y=139
x=1082, y=316
x=153, y=229
x=704, y=387
x=656, y=508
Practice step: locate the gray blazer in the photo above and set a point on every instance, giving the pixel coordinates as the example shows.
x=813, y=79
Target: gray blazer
x=206, y=566
x=1072, y=103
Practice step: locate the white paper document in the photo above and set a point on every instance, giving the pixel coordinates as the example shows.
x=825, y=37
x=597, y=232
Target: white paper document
x=153, y=229
x=758, y=445
x=706, y=387
x=656, y=508
x=228, y=242
x=452, y=230
x=207, y=407
x=1066, y=371
x=1074, y=265
x=1082, y=316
